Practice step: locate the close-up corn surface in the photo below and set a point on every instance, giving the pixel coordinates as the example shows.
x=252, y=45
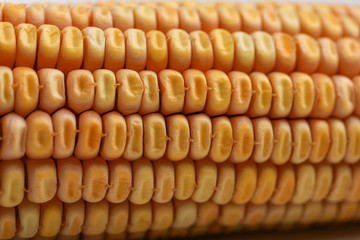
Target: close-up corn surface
x=176, y=119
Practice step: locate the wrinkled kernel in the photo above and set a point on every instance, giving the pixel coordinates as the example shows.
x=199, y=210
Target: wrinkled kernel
x=349, y=56
x=157, y=52
x=7, y=94
x=243, y=133
x=48, y=46
x=196, y=93
x=262, y=95
x=282, y=142
x=320, y=133
x=58, y=15
x=129, y=91
x=179, y=47
x=71, y=49
x=114, y=49
x=282, y=86
x=135, y=43
x=244, y=52
x=285, y=48
x=102, y=17
x=26, y=41
x=344, y=104
x=229, y=17
x=167, y=18
x=113, y=143
x=179, y=134
x=39, y=136
x=13, y=137
x=7, y=44
x=94, y=48
x=89, y=136
x=200, y=133
x=219, y=93
x=265, y=57
x=308, y=53
x=223, y=46
x=221, y=144
x=202, y=53
x=134, y=137
x=263, y=137
x=172, y=91
x=80, y=90
x=145, y=18
x=155, y=136
x=52, y=93
x=250, y=17
x=325, y=96
x=123, y=17
x=64, y=123
x=189, y=19
x=329, y=59
x=302, y=140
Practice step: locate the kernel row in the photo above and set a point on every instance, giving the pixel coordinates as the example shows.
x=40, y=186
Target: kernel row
x=160, y=220
x=161, y=181
x=177, y=137
x=317, y=20
x=276, y=95
x=92, y=48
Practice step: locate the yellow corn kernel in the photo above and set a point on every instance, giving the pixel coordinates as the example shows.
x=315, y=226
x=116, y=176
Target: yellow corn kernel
x=179, y=47
x=73, y=218
x=164, y=184
x=167, y=18
x=143, y=182
x=7, y=44
x=102, y=17
x=185, y=182
x=26, y=41
x=52, y=90
x=118, y=218
x=71, y=50
x=28, y=219
x=114, y=49
x=145, y=18
x=35, y=14
x=196, y=91
x=265, y=57
x=250, y=17
x=135, y=43
x=13, y=139
x=189, y=19
x=157, y=52
x=202, y=53
x=200, y=133
x=243, y=143
x=208, y=16
x=94, y=48
x=95, y=180
x=39, y=135
x=12, y=179
x=244, y=52
x=329, y=58
x=48, y=46
x=64, y=124
x=120, y=179
x=58, y=15
x=285, y=48
x=282, y=142
x=14, y=13
x=246, y=182
x=96, y=218
x=172, y=91
x=70, y=180
x=229, y=18
x=155, y=136
x=178, y=132
x=89, y=136
x=134, y=137
x=80, y=15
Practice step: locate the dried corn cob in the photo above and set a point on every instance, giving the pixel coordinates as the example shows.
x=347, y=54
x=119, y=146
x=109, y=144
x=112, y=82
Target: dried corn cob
x=93, y=48
x=246, y=117
x=326, y=21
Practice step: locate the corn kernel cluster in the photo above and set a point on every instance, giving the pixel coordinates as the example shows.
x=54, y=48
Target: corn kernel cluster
x=175, y=119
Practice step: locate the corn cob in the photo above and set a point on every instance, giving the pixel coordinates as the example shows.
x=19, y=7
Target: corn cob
x=316, y=20
x=226, y=117
x=134, y=49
